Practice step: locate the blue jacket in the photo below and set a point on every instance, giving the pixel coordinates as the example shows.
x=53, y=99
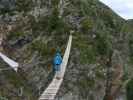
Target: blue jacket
x=57, y=59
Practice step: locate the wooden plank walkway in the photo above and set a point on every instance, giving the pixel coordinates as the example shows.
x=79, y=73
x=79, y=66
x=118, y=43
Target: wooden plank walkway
x=52, y=89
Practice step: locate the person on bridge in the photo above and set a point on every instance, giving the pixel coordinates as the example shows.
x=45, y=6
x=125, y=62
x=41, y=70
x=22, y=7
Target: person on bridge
x=57, y=63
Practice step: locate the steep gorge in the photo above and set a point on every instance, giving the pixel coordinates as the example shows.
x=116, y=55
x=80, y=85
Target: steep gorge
x=39, y=27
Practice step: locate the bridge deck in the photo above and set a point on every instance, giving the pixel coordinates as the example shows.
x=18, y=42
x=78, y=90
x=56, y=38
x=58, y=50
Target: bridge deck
x=52, y=89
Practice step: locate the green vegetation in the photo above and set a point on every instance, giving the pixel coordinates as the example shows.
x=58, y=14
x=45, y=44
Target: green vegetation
x=129, y=89
x=15, y=35
x=85, y=84
x=15, y=82
x=85, y=47
x=52, y=23
x=103, y=44
x=13, y=78
x=23, y=5
x=99, y=73
x=107, y=17
x=126, y=73
x=57, y=24
x=87, y=55
x=131, y=47
x=92, y=40
x=86, y=7
x=41, y=47
x=87, y=24
x=127, y=27
x=55, y=3
x=7, y=7
x=4, y=11
x=89, y=49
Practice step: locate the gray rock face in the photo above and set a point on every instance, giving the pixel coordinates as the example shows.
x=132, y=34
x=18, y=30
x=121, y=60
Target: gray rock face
x=7, y=4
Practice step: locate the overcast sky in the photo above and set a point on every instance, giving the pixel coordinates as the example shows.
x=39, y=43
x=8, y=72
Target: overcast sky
x=122, y=7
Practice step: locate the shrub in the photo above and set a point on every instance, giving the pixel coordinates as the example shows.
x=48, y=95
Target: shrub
x=129, y=89
x=53, y=20
x=87, y=24
x=85, y=84
x=24, y=5
x=55, y=2
x=44, y=49
x=40, y=47
x=57, y=24
x=103, y=44
x=87, y=55
x=87, y=51
x=15, y=35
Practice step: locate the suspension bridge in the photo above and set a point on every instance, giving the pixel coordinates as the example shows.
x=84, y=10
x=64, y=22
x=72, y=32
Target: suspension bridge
x=54, y=86
x=14, y=65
